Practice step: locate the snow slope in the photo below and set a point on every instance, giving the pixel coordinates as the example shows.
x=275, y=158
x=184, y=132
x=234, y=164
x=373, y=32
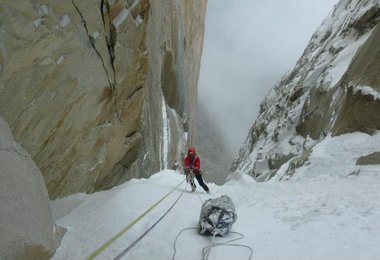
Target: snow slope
x=328, y=210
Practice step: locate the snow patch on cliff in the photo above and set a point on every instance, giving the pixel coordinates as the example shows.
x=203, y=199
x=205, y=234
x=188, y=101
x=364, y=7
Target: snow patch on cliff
x=165, y=136
x=367, y=90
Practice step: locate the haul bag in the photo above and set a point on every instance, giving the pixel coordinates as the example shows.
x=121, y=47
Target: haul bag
x=217, y=216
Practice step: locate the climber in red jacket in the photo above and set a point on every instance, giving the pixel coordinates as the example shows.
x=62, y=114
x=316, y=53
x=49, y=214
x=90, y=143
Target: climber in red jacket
x=193, y=169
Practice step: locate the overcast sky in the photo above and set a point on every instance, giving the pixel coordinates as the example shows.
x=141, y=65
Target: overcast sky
x=249, y=45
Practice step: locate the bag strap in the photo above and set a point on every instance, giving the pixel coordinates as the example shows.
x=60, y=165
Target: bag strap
x=193, y=161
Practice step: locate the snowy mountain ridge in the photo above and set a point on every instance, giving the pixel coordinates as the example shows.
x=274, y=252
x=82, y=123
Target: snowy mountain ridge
x=332, y=86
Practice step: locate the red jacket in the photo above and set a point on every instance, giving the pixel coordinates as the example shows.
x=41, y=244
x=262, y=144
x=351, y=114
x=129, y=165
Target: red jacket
x=196, y=166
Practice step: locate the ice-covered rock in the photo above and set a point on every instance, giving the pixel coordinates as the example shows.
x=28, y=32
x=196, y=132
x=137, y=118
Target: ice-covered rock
x=332, y=89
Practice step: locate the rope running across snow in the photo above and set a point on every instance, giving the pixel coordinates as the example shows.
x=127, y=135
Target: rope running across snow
x=206, y=250
x=125, y=251
x=118, y=235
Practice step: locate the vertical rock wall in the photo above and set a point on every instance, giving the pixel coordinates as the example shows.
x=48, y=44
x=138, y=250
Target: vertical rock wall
x=100, y=91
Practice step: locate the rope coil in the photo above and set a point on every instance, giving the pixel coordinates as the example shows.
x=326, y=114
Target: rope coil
x=206, y=250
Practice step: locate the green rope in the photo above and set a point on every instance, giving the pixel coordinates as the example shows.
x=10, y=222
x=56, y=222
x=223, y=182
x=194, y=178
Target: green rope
x=114, y=238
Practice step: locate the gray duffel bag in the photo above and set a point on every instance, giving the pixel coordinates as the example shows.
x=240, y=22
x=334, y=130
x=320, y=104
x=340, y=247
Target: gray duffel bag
x=217, y=216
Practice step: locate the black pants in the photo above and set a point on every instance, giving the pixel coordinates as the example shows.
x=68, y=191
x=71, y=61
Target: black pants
x=201, y=182
x=199, y=179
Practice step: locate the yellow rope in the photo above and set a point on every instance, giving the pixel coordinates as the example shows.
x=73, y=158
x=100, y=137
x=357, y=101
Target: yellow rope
x=110, y=241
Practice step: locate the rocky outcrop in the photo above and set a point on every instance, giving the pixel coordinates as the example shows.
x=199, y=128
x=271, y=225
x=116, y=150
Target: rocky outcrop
x=333, y=89
x=215, y=158
x=98, y=91
x=26, y=223
x=373, y=158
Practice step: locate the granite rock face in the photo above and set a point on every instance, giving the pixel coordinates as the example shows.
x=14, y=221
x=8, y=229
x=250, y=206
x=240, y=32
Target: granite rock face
x=333, y=89
x=98, y=91
x=26, y=222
